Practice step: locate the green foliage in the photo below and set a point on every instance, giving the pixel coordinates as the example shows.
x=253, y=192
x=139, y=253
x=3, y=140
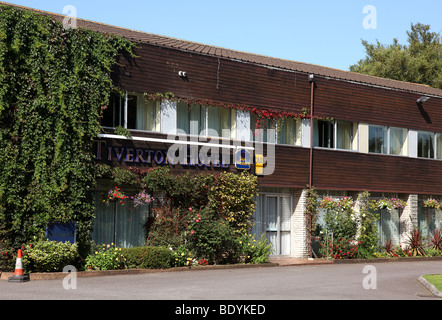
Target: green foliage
x=53, y=84
x=233, y=197
x=158, y=179
x=108, y=257
x=167, y=226
x=211, y=237
x=311, y=212
x=369, y=235
x=255, y=251
x=181, y=256
x=50, y=256
x=148, y=257
x=419, y=62
x=340, y=218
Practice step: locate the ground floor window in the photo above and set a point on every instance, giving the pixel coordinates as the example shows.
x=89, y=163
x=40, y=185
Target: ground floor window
x=273, y=218
x=389, y=226
x=429, y=219
x=120, y=224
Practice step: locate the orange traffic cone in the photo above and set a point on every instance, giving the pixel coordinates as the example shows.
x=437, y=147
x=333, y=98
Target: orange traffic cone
x=19, y=276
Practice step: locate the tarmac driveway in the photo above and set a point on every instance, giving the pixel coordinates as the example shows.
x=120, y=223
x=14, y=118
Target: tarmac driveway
x=378, y=281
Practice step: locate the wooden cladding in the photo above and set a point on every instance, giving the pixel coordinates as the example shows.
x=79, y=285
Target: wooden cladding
x=156, y=70
x=340, y=170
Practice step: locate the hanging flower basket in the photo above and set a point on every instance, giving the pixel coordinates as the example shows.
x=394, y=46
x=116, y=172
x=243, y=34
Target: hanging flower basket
x=142, y=198
x=391, y=204
x=115, y=195
x=432, y=203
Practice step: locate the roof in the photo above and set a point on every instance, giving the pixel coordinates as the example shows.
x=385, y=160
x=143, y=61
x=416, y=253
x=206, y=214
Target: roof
x=198, y=48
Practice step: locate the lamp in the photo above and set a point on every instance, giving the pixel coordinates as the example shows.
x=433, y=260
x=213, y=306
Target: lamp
x=422, y=100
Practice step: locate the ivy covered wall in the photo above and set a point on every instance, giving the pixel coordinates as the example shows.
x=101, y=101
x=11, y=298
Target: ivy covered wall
x=54, y=82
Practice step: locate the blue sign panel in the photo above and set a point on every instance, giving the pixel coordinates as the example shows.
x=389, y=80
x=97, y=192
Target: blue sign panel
x=62, y=232
x=242, y=159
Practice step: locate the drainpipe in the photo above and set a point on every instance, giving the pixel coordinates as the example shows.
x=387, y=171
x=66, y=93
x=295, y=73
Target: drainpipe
x=311, y=79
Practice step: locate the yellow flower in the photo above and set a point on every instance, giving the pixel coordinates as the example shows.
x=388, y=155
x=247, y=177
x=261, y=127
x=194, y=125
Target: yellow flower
x=182, y=254
x=96, y=252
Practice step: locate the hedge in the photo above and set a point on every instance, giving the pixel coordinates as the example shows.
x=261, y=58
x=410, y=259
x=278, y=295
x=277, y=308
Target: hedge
x=148, y=257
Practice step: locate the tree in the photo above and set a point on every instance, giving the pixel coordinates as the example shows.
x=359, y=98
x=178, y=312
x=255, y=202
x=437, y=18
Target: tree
x=418, y=62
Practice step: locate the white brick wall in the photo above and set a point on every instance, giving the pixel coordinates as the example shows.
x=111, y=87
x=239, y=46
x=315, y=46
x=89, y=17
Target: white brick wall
x=408, y=219
x=299, y=230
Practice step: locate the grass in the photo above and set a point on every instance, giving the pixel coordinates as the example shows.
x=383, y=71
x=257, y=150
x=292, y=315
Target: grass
x=435, y=280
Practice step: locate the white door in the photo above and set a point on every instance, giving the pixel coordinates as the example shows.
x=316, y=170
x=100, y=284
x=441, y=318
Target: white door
x=277, y=217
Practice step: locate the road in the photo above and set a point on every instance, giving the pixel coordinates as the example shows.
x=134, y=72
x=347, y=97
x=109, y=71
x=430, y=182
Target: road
x=382, y=281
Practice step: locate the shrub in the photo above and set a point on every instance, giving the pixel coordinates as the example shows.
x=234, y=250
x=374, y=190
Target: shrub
x=148, y=257
x=255, y=251
x=181, y=256
x=165, y=226
x=50, y=256
x=106, y=258
x=436, y=240
x=343, y=249
x=211, y=237
x=368, y=237
x=6, y=258
x=415, y=242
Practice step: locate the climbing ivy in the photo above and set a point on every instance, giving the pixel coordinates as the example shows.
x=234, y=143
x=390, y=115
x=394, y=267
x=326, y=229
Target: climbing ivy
x=54, y=83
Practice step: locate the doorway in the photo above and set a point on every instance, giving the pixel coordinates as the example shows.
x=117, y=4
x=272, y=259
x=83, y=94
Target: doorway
x=273, y=218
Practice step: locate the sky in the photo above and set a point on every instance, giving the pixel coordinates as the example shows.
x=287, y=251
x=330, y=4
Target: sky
x=321, y=32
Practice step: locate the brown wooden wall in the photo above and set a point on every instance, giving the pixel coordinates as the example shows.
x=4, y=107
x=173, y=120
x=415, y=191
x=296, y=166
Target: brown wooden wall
x=340, y=170
x=367, y=104
x=156, y=70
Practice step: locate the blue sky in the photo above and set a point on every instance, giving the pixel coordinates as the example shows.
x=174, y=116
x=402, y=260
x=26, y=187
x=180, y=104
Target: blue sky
x=321, y=32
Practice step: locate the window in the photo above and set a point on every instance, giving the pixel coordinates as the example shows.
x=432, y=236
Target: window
x=119, y=224
x=397, y=140
x=290, y=132
x=221, y=122
x=191, y=118
x=147, y=115
x=425, y=145
x=141, y=114
x=132, y=102
x=439, y=146
x=113, y=115
x=324, y=134
x=346, y=135
x=206, y=120
x=265, y=131
x=377, y=139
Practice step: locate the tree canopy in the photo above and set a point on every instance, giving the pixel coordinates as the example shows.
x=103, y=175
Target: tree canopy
x=418, y=62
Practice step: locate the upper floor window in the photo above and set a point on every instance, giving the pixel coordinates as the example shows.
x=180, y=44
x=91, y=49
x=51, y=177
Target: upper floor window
x=289, y=132
x=132, y=111
x=397, y=141
x=346, y=135
x=114, y=113
x=377, y=139
x=425, y=145
x=264, y=131
x=324, y=134
x=206, y=120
